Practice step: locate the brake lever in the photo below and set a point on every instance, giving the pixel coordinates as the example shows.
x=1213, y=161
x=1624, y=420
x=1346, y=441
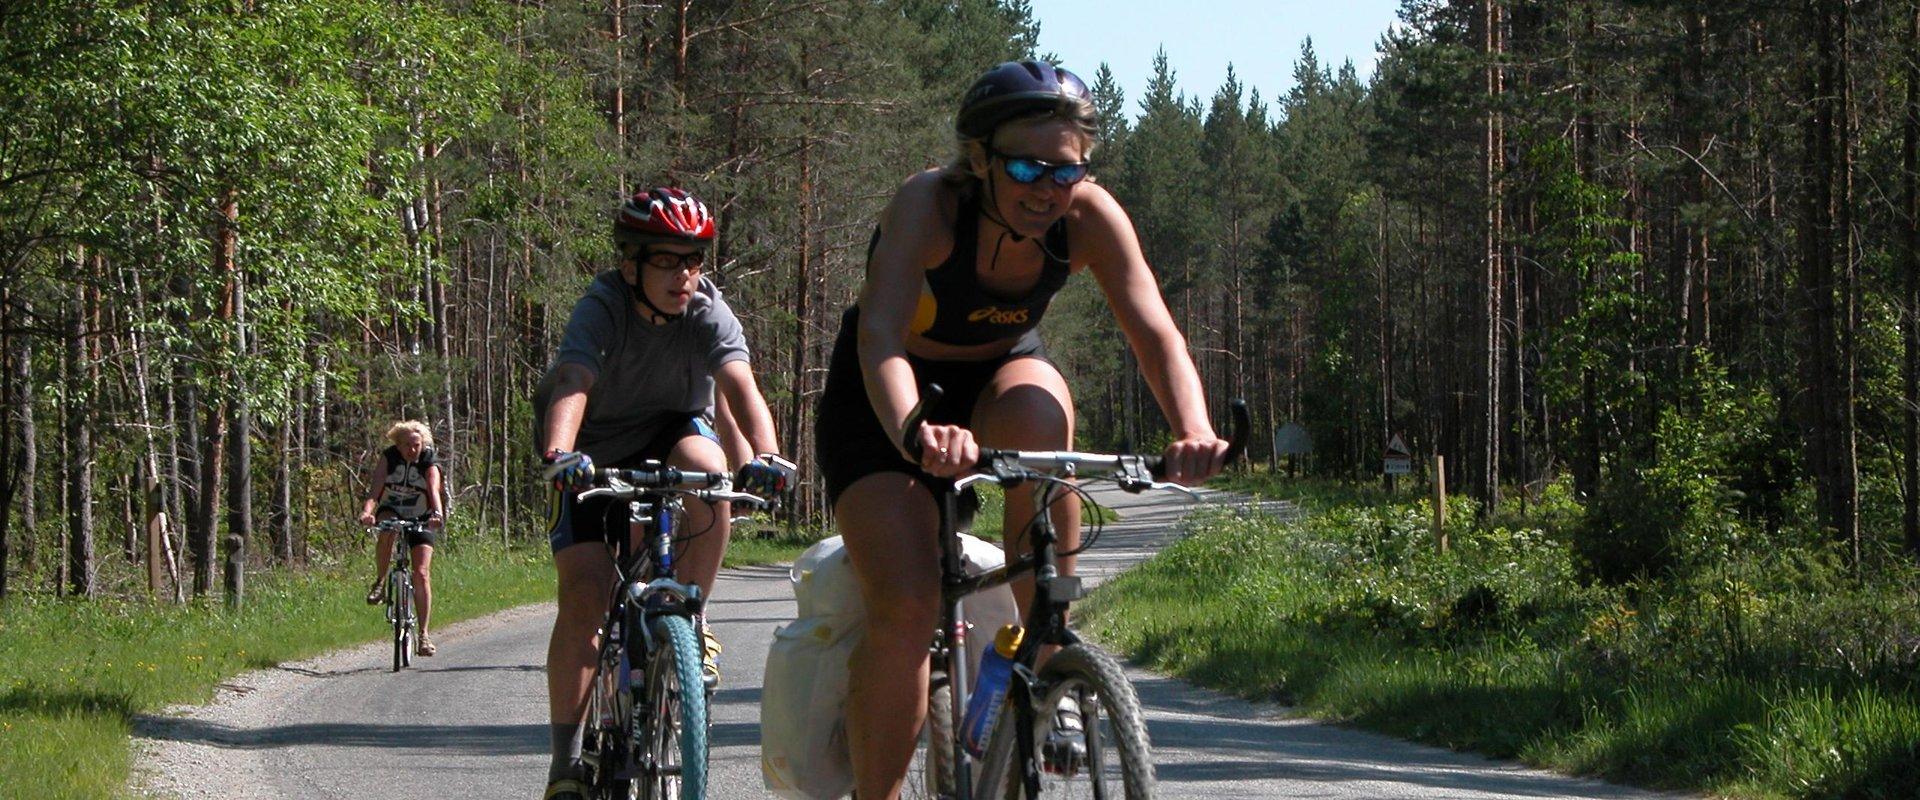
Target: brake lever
x=1188, y=491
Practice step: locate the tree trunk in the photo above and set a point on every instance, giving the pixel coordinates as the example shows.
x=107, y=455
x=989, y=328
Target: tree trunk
x=1910, y=273
x=23, y=399
x=1849, y=456
x=1825, y=418
x=802, y=312
x=79, y=450
x=213, y=438
x=1493, y=167
x=239, y=453
x=280, y=518
x=9, y=469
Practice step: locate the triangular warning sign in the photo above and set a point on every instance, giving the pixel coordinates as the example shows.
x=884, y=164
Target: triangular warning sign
x=1397, y=446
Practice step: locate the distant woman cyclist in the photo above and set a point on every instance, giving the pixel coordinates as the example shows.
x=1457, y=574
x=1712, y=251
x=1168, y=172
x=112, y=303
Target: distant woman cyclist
x=959, y=273
x=404, y=483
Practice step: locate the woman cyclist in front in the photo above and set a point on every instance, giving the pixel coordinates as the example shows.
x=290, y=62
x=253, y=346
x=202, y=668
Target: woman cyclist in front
x=959, y=273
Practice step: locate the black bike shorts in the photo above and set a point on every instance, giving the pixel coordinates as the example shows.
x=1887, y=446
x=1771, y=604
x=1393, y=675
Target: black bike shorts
x=416, y=537
x=848, y=439
x=572, y=521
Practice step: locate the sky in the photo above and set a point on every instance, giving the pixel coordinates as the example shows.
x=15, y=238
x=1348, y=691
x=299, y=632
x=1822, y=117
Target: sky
x=1261, y=38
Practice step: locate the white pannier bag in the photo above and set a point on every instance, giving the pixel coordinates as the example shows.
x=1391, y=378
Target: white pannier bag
x=803, y=731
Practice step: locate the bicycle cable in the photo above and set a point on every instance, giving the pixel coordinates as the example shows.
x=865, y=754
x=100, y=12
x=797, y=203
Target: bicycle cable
x=1091, y=529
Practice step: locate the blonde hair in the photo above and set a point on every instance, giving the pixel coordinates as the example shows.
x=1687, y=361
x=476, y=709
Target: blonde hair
x=404, y=427
x=1082, y=114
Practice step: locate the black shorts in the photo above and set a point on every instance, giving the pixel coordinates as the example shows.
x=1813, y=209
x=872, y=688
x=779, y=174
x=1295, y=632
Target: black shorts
x=416, y=537
x=848, y=440
x=572, y=521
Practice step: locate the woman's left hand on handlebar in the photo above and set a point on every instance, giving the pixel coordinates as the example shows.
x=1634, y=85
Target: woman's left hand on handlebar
x=1194, y=459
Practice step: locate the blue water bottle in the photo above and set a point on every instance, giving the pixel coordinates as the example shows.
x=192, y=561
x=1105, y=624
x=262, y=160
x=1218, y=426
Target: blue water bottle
x=990, y=689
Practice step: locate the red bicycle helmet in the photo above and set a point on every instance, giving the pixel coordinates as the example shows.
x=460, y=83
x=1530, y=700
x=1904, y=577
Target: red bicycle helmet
x=663, y=215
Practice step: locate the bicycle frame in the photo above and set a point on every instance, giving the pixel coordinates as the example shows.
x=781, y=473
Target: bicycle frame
x=645, y=589
x=1053, y=593
x=399, y=588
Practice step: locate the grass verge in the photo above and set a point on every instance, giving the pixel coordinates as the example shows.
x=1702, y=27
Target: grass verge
x=1770, y=676
x=74, y=673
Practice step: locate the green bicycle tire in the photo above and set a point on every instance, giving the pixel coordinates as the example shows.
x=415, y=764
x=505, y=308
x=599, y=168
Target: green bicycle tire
x=676, y=701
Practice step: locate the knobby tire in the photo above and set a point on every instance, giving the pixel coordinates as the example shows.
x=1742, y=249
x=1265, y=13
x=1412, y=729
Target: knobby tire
x=931, y=776
x=675, y=744
x=1118, y=757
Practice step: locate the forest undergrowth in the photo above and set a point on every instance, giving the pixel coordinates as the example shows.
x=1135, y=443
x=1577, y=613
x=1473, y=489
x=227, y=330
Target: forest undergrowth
x=1774, y=672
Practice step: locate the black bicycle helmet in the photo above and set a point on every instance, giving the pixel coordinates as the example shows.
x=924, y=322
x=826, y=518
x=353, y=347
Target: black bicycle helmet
x=1014, y=88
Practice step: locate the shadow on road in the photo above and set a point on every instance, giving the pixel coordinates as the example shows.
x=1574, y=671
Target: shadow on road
x=469, y=739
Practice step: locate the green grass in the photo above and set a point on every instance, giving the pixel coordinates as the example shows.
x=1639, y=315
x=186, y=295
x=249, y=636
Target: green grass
x=1759, y=680
x=759, y=543
x=74, y=673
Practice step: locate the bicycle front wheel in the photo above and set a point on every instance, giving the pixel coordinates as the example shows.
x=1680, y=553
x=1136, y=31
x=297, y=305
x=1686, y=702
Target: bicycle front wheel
x=1089, y=736
x=400, y=601
x=674, y=739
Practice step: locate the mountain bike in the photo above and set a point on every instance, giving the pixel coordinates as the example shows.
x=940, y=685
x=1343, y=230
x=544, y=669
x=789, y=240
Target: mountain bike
x=1071, y=727
x=645, y=730
x=400, y=611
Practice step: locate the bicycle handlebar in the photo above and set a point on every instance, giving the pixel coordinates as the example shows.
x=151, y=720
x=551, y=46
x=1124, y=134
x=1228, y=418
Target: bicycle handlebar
x=1239, y=425
x=628, y=484
x=400, y=525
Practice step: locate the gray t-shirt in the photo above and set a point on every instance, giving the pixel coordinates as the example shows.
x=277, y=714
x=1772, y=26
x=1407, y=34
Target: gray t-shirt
x=646, y=376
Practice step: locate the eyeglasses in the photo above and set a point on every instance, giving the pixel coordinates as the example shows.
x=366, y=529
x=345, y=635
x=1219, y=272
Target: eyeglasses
x=675, y=262
x=1027, y=170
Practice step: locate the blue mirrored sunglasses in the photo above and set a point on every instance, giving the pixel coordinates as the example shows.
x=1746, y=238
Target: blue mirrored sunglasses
x=1028, y=170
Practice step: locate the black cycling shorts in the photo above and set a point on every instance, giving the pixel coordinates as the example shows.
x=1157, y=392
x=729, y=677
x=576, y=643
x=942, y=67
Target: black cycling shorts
x=416, y=537
x=848, y=440
x=572, y=521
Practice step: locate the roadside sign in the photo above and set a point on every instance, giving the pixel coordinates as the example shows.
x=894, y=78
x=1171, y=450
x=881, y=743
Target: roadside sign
x=1292, y=440
x=1399, y=460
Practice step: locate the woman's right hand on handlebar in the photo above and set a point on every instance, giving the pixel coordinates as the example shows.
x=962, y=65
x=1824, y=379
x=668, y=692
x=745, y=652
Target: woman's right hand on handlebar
x=947, y=451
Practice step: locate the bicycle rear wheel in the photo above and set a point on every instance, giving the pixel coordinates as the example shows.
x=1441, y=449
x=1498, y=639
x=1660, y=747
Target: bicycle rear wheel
x=1110, y=757
x=607, y=732
x=673, y=741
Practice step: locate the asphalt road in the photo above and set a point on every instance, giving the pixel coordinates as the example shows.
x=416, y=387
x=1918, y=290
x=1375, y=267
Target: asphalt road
x=471, y=722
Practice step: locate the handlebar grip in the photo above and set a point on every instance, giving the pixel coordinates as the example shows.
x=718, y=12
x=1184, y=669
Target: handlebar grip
x=1239, y=430
x=910, y=433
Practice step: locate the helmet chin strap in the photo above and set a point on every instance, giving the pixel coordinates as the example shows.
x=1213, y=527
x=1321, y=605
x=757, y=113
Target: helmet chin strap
x=991, y=210
x=659, y=317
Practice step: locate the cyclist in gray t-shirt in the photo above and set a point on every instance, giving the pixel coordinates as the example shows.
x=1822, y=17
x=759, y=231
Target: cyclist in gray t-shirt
x=643, y=356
